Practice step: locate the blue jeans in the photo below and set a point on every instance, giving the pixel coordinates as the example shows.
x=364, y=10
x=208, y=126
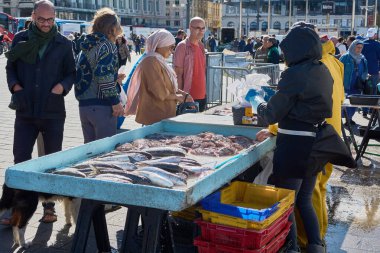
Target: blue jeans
x=304, y=190
x=26, y=132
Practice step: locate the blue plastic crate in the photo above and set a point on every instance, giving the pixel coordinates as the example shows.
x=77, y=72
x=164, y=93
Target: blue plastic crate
x=212, y=203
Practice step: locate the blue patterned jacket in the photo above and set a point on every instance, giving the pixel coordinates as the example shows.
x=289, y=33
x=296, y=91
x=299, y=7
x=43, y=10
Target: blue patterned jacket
x=97, y=67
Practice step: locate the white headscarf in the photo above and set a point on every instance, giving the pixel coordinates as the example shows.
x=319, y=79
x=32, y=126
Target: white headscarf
x=158, y=39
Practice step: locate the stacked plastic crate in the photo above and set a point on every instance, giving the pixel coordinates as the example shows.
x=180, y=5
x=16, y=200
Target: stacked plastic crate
x=245, y=218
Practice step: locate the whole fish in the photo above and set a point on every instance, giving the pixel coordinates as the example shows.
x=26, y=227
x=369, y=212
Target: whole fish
x=156, y=179
x=167, y=159
x=113, y=153
x=172, y=177
x=112, y=164
x=146, y=154
x=114, y=178
x=139, y=179
x=196, y=170
x=120, y=158
x=187, y=160
x=111, y=171
x=70, y=172
x=172, y=159
x=131, y=157
x=165, y=151
x=169, y=167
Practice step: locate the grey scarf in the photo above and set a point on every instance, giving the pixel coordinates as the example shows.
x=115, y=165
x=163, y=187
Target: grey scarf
x=351, y=50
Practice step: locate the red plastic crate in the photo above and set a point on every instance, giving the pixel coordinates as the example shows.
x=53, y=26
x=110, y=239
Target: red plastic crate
x=273, y=247
x=242, y=238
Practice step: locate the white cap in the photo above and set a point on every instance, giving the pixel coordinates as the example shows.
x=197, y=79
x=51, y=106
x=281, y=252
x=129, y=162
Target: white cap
x=371, y=32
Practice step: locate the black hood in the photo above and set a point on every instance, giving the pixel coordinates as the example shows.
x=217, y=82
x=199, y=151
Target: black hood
x=301, y=44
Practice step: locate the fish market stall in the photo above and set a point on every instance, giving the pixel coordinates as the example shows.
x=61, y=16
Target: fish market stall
x=149, y=201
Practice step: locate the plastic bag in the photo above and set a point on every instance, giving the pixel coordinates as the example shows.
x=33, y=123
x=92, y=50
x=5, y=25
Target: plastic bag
x=122, y=95
x=267, y=164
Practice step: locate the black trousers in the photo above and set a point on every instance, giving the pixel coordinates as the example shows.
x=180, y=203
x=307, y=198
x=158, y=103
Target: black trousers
x=202, y=104
x=25, y=134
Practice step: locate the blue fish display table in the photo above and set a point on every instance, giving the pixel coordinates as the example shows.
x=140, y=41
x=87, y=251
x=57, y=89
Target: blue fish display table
x=150, y=202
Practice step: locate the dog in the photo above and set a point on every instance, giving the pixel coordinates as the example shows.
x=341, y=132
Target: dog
x=23, y=205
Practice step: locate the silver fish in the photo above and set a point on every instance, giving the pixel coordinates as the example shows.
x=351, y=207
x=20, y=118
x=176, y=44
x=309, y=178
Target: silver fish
x=148, y=156
x=70, y=172
x=165, y=151
x=196, y=170
x=120, y=158
x=111, y=171
x=156, y=179
x=113, y=164
x=174, y=160
x=172, y=177
x=167, y=159
x=169, y=167
x=114, y=178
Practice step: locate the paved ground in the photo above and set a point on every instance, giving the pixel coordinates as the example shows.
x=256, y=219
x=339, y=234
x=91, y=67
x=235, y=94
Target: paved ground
x=353, y=200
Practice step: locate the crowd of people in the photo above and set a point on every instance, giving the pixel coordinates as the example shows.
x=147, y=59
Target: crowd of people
x=310, y=92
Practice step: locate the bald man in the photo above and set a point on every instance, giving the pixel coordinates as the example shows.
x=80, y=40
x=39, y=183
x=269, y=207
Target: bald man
x=40, y=72
x=189, y=61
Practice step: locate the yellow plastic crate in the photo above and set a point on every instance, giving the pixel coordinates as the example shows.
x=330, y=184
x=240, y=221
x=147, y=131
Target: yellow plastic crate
x=254, y=196
x=188, y=213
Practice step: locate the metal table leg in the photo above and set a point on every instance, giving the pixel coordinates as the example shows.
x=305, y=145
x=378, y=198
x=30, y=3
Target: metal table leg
x=365, y=140
x=90, y=210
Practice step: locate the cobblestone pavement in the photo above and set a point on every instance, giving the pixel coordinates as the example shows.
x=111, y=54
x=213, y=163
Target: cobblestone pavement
x=353, y=199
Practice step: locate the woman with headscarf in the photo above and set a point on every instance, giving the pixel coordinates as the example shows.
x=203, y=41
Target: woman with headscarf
x=153, y=92
x=355, y=73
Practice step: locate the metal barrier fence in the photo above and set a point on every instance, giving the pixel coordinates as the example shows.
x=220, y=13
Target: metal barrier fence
x=222, y=71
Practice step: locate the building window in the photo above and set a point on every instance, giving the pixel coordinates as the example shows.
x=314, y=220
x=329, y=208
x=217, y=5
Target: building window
x=176, y=2
x=313, y=21
x=231, y=10
x=167, y=22
x=167, y=3
x=264, y=26
x=337, y=22
x=177, y=14
x=177, y=23
x=167, y=14
x=253, y=26
x=230, y=24
x=277, y=25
